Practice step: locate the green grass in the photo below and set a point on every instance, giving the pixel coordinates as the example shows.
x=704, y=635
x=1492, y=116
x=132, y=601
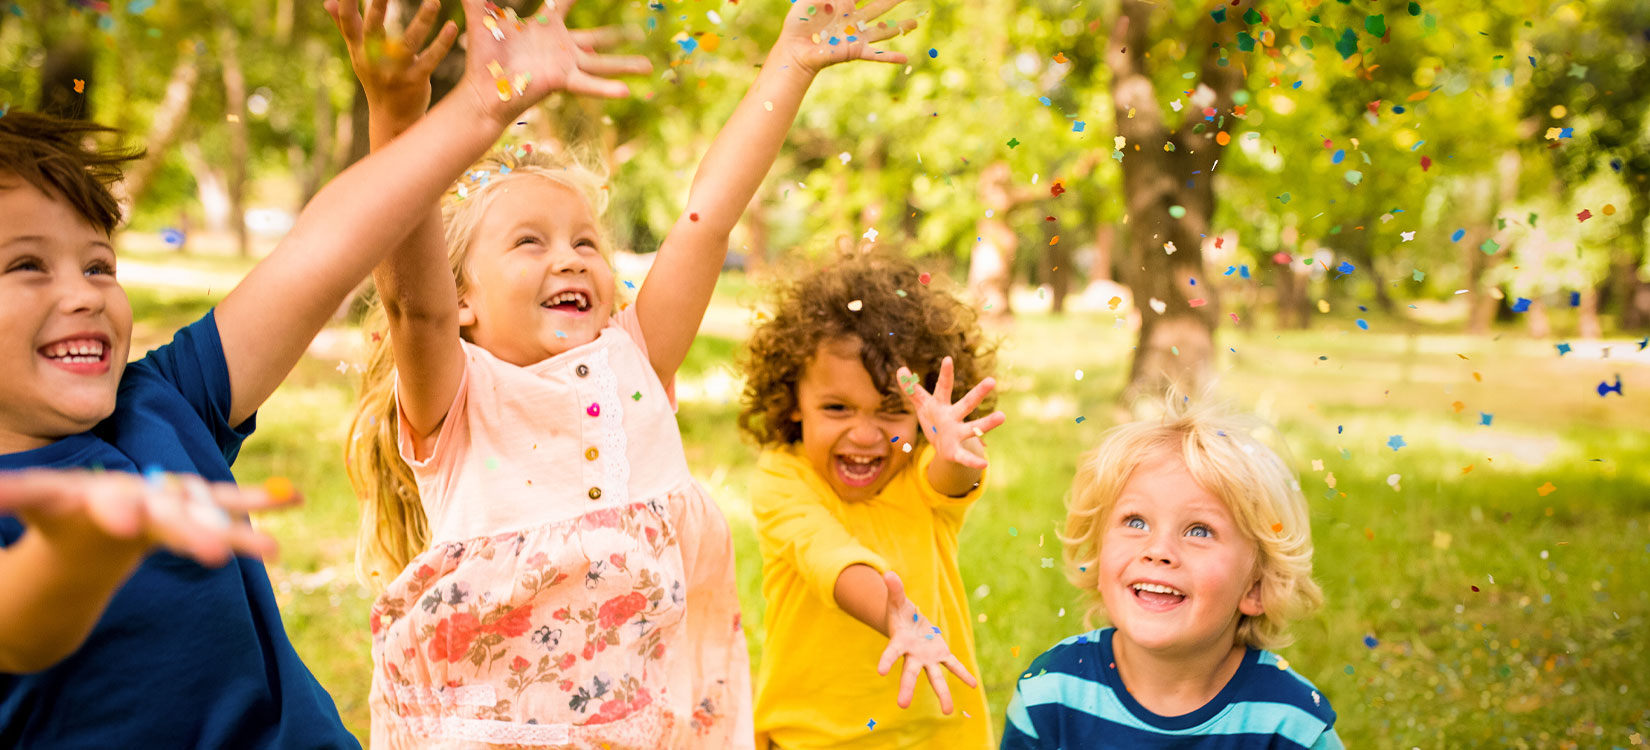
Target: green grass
x=1546, y=653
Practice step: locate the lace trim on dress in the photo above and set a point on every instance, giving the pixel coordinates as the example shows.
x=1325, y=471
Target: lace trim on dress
x=615, y=457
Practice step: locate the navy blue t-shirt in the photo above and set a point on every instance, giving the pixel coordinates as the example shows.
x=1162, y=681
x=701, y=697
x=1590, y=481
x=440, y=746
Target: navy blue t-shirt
x=184, y=656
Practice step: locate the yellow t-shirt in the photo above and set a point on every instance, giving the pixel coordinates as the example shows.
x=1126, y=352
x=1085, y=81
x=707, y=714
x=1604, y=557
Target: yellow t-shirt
x=818, y=686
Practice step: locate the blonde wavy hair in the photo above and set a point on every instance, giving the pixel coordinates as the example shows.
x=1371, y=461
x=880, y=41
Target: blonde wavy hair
x=393, y=528
x=1223, y=455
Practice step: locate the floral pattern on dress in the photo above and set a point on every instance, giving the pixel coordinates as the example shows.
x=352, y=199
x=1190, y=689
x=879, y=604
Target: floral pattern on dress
x=562, y=625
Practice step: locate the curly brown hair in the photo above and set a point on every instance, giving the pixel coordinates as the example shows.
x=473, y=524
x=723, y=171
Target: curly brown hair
x=899, y=320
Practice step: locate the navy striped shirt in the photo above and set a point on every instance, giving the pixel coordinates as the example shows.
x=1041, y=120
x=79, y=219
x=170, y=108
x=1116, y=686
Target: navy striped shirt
x=1073, y=697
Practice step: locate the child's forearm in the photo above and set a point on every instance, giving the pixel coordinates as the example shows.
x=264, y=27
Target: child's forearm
x=861, y=592
x=954, y=479
x=53, y=590
x=347, y=228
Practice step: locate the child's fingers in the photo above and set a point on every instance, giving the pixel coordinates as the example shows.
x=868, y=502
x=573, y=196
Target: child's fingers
x=882, y=55
x=910, y=388
x=580, y=82
x=616, y=65
x=872, y=10
x=426, y=61
x=952, y=663
x=987, y=423
x=374, y=20
x=599, y=37
x=908, y=681
x=968, y=459
x=883, y=30
x=936, y=678
x=245, y=540
x=274, y=494
x=889, y=656
x=418, y=29
x=971, y=400
x=944, y=383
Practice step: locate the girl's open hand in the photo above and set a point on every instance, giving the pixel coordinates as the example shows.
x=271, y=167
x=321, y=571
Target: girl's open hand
x=513, y=62
x=946, y=424
x=821, y=33
x=181, y=512
x=394, y=73
x=911, y=635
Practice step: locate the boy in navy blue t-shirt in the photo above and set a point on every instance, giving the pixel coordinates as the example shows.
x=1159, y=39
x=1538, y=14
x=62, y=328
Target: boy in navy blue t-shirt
x=182, y=655
x=1195, y=541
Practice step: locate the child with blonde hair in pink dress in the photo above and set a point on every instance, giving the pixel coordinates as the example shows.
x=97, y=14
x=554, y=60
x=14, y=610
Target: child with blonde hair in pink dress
x=554, y=576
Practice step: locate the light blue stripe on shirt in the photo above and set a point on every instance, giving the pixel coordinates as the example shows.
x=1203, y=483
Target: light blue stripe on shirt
x=1098, y=700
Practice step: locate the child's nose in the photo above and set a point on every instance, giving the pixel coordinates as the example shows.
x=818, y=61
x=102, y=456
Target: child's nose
x=865, y=432
x=81, y=295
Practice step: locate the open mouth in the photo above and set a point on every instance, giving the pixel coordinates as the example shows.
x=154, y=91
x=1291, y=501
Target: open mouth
x=1156, y=596
x=85, y=355
x=568, y=302
x=858, y=471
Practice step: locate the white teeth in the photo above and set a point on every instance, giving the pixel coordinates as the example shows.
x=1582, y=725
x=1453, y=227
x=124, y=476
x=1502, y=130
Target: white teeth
x=862, y=460
x=88, y=351
x=1157, y=589
x=577, y=298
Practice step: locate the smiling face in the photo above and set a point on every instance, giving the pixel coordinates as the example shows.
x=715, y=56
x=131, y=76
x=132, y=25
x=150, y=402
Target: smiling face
x=538, y=282
x=65, y=323
x=1176, y=572
x=848, y=425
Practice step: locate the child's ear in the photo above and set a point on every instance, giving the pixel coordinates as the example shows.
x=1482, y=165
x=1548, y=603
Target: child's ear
x=1251, y=604
x=466, y=316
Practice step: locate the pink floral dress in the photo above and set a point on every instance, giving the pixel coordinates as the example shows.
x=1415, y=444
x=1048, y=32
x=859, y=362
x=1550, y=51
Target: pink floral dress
x=579, y=588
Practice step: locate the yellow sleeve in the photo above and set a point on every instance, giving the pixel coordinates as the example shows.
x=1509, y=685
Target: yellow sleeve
x=935, y=498
x=796, y=526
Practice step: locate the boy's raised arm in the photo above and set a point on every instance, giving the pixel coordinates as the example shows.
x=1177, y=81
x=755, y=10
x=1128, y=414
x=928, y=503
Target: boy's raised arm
x=269, y=319
x=739, y=158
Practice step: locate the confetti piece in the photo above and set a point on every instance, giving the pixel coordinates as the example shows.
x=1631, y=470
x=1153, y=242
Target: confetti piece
x=1484, y=418
x=1080, y=420
x=924, y=278
x=1546, y=489
x=1198, y=302
x=1395, y=442
x=872, y=724
x=1364, y=324
x=693, y=217
x=79, y=86
x=1490, y=246
x=1277, y=527
x=1584, y=215
x=1605, y=389
x=1177, y=211
x=1426, y=163
x=1012, y=142
x=933, y=53
x=279, y=489
x=1522, y=304
x=1354, y=176
x=1370, y=642
x=1609, y=209
x=1060, y=57
x=1376, y=25
x=856, y=305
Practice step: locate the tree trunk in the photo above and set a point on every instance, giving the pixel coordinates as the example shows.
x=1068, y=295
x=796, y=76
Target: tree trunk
x=1631, y=291
x=209, y=187
x=234, y=91
x=320, y=158
x=68, y=59
x=1176, y=343
x=1536, y=317
x=1587, y=323
x=168, y=122
x=1058, y=258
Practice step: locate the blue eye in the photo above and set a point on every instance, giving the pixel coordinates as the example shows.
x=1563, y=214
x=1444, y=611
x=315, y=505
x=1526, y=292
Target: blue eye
x=1199, y=530
x=1136, y=522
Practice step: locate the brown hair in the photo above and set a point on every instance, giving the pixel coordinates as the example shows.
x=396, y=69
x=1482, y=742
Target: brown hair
x=61, y=158
x=898, y=320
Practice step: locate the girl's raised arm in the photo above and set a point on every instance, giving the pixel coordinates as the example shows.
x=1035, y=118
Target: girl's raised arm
x=269, y=319
x=671, y=308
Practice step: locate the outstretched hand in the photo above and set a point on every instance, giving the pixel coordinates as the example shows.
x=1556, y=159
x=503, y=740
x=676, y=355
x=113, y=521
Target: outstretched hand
x=821, y=33
x=181, y=512
x=946, y=425
x=512, y=62
x=912, y=636
x=394, y=73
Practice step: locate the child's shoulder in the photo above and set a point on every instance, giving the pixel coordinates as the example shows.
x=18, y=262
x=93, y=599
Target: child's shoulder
x=1077, y=656
x=1273, y=681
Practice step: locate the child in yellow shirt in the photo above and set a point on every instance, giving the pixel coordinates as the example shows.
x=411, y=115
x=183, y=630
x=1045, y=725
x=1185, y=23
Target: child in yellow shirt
x=866, y=474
